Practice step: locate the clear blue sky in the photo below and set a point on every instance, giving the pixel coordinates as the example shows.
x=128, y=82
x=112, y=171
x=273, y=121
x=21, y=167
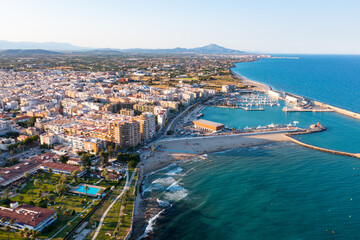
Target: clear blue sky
x=275, y=26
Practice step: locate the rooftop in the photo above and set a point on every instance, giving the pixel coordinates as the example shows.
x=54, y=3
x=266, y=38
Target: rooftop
x=210, y=123
x=26, y=214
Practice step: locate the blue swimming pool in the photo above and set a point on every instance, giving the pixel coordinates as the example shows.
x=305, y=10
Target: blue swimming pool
x=90, y=190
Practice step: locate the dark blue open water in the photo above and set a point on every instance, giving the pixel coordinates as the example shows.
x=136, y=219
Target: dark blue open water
x=333, y=79
x=276, y=191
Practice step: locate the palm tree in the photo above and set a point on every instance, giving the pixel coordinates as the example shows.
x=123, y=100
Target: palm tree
x=83, y=169
x=74, y=174
x=19, y=147
x=25, y=232
x=37, y=183
x=11, y=222
x=6, y=229
x=86, y=188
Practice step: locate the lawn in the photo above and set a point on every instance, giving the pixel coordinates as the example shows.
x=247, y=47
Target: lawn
x=95, y=217
x=114, y=222
x=62, y=204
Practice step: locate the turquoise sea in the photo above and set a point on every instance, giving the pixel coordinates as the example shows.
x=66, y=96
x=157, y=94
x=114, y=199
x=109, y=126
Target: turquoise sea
x=275, y=191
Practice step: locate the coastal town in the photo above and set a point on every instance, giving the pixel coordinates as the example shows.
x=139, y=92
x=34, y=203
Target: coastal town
x=71, y=137
x=179, y=120
x=77, y=141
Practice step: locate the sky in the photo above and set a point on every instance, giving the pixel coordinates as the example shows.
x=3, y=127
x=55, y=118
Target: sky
x=276, y=26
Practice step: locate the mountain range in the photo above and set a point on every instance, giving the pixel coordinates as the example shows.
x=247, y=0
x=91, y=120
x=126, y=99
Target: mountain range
x=29, y=48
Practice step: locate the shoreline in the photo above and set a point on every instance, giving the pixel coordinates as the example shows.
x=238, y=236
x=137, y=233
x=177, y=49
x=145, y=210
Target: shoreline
x=172, y=151
x=264, y=87
x=175, y=150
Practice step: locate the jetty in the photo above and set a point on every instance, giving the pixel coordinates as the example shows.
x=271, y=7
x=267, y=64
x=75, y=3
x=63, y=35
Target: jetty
x=339, y=110
x=356, y=155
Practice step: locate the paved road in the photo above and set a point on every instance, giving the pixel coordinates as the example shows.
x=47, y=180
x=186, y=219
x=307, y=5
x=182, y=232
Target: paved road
x=126, y=187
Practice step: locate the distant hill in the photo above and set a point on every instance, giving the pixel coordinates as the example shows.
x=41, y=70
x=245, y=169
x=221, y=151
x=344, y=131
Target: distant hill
x=100, y=51
x=209, y=49
x=69, y=48
x=27, y=52
x=50, y=46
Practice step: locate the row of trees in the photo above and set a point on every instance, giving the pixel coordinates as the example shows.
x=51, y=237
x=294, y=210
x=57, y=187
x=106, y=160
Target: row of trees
x=131, y=159
x=26, y=141
x=27, y=124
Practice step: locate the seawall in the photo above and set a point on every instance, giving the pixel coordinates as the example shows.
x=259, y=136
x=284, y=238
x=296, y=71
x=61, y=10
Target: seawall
x=357, y=155
x=339, y=110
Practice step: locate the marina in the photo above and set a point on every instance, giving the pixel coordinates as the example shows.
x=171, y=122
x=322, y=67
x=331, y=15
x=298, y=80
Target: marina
x=248, y=102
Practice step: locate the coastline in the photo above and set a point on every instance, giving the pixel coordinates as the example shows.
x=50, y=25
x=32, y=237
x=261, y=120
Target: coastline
x=259, y=86
x=174, y=150
x=264, y=87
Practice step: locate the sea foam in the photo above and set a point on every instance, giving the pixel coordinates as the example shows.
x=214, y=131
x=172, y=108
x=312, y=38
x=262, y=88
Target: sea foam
x=175, y=171
x=151, y=224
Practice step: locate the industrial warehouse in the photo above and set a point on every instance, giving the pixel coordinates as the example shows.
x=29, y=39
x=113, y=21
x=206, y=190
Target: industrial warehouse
x=208, y=125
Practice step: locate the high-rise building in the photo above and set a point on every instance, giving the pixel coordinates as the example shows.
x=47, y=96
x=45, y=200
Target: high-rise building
x=147, y=125
x=125, y=133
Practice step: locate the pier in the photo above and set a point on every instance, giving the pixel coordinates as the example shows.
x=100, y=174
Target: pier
x=356, y=155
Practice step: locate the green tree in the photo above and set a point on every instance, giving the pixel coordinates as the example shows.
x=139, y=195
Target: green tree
x=104, y=157
x=11, y=222
x=32, y=121
x=6, y=229
x=51, y=197
x=64, y=159
x=122, y=157
x=74, y=174
x=83, y=169
x=19, y=147
x=27, y=175
x=110, y=150
x=63, y=178
x=37, y=183
x=105, y=174
x=85, y=160
x=60, y=188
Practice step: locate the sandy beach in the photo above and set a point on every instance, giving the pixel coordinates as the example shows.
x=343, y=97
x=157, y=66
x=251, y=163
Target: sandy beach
x=172, y=150
x=258, y=86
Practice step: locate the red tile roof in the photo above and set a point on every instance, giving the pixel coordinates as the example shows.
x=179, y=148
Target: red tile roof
x=26, y=214
x=61, y=166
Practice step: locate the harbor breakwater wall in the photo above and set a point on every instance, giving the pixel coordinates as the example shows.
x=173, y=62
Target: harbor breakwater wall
x=356, y=155
x=339, y=110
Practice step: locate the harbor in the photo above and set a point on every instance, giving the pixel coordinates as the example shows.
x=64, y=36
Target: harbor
x=247, y=101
